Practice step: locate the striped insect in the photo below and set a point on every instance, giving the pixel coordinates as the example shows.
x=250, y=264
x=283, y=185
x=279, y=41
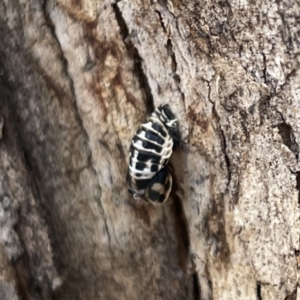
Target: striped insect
x=150, y=151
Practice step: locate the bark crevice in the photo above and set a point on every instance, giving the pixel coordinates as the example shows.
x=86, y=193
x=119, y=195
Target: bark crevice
x=288, y=138
x=258, y=291
x=196, y=286
x=181, y=225
x=185, y=258
x=292, y=296
x=298, y=186
x=227, y=160
x=64, y=62
x=169, y=47
x=135, y=57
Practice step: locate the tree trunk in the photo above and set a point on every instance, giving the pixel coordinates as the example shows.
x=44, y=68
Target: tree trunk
x=77, y=77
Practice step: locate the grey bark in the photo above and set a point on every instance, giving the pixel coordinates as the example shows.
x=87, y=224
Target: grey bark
x=77, y=77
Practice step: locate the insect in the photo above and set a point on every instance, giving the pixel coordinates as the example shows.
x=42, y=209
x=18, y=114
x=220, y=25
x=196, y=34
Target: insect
x=150, y=151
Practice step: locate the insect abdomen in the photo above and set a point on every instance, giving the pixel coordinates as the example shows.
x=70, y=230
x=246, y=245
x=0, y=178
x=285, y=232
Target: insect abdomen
x=150, y=152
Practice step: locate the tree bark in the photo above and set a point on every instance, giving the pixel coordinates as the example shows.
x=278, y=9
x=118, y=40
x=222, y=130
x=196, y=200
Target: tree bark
x=77, y=77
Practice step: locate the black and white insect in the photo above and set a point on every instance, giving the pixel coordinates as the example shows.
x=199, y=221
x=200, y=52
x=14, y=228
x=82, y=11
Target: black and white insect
x=150, y=151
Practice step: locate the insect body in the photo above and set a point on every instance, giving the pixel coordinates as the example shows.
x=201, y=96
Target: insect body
x=150, y=151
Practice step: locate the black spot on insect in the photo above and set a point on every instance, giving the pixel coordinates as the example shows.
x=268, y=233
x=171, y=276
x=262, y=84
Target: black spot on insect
x=159, y=129
x=166, y=110
x=154, y=137
x=149, y=145
x=148, y=157
x=154, y=168
x=153, y=195
x=153, y=156
x=175, y=134
x=140, y=166
x=162, y=198
x=142, y=184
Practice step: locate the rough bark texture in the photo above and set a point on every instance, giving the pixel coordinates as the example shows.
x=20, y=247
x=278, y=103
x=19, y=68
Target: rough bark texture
x=77, y=77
